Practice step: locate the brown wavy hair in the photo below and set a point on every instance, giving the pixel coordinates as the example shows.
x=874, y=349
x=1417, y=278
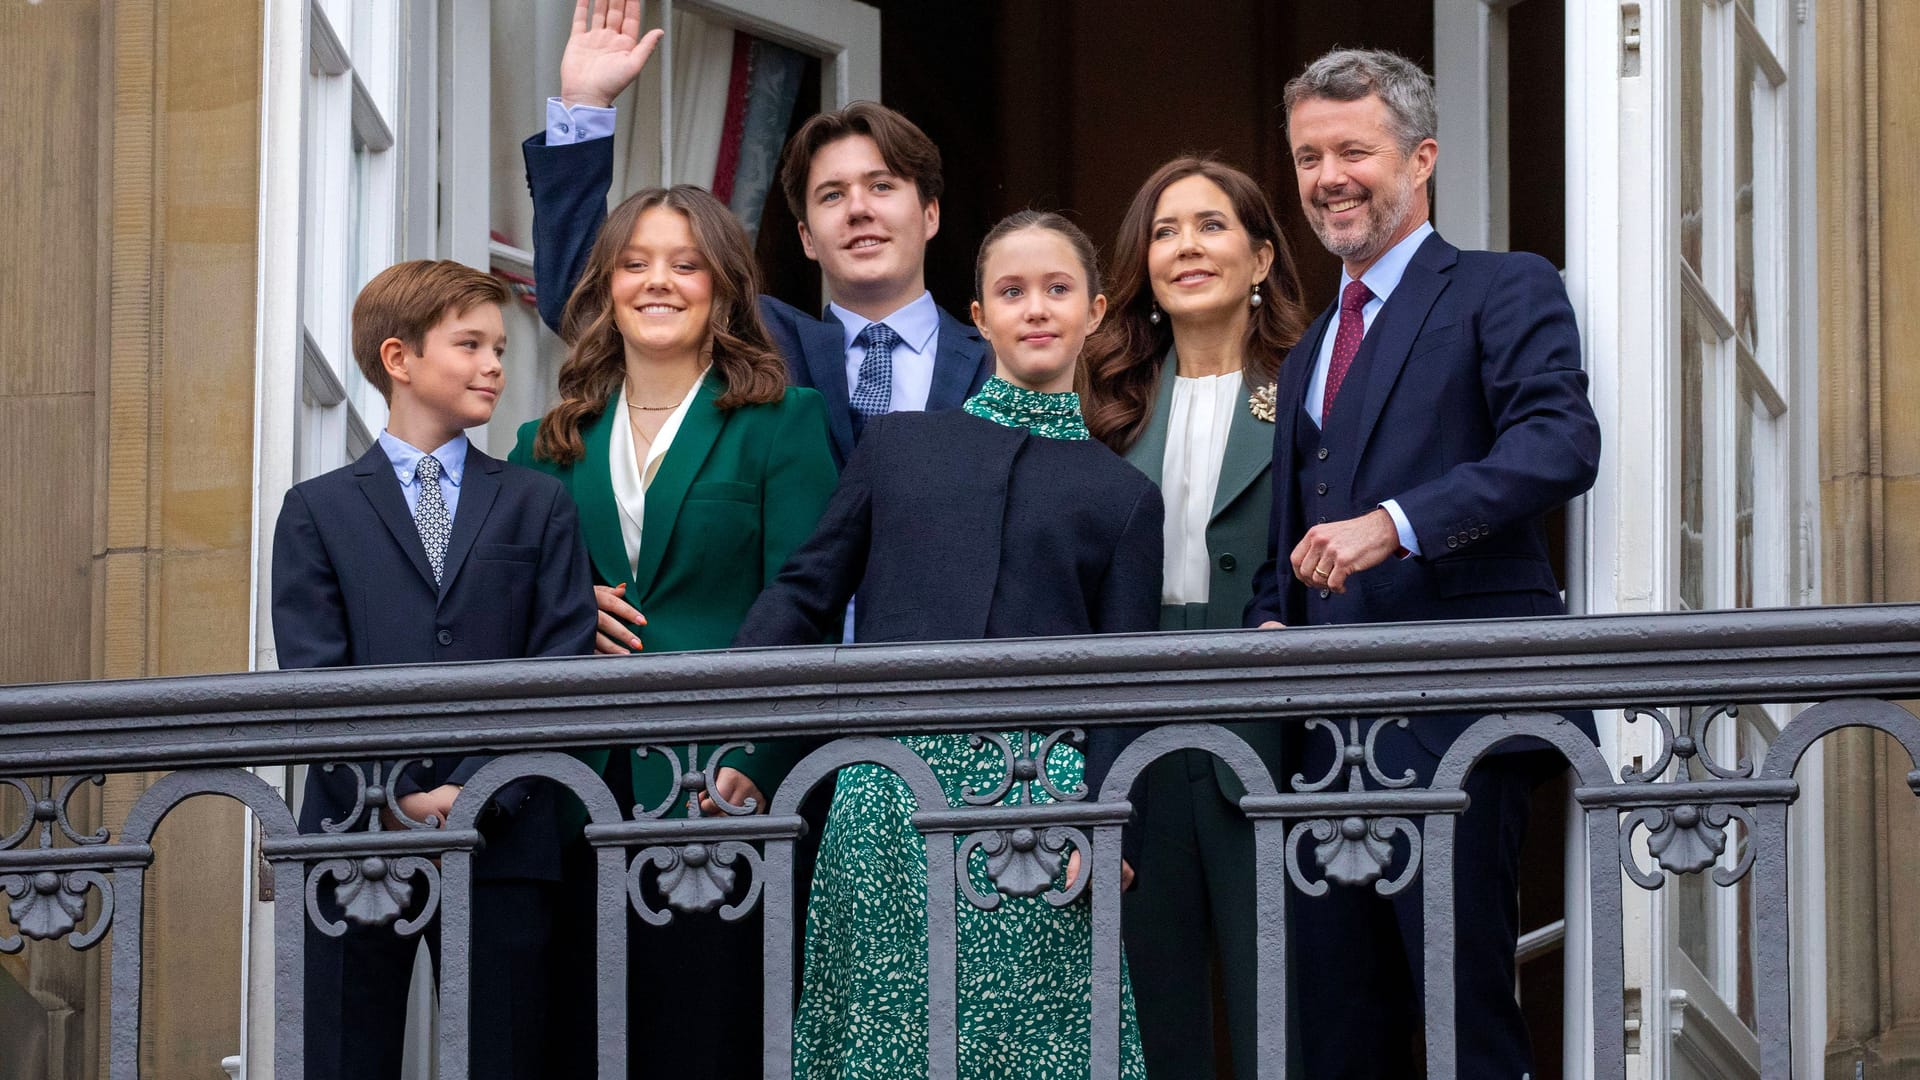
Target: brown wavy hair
x=743, y=355
x=1120, y=369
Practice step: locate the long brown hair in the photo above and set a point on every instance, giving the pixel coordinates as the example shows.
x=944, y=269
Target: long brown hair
x=1120, y=370
x=743, y=355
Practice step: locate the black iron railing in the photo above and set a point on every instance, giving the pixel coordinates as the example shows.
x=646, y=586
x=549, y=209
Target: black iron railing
x=1679, y=673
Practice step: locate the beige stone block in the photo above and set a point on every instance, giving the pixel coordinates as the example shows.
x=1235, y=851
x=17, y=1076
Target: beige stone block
x=201, y=603
x=46, y=528
x=51, y=83
x=1901, y=497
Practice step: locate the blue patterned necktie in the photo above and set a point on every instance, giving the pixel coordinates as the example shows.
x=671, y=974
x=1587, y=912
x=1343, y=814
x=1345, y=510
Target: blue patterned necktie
x=873, y=395
x=430, y=514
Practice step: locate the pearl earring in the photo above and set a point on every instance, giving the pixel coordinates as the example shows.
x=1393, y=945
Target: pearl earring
x=1153, y=315
x=1256, y=301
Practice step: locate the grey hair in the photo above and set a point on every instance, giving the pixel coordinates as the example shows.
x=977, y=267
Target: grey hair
x=1352, y=74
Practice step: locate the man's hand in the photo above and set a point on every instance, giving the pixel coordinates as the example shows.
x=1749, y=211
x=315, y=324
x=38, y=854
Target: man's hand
x=1335, y=551
x=735, y=787
x=605, y=52
x=1073, y=871
x=1273, y=624
x=437, y=803
x=613, y=638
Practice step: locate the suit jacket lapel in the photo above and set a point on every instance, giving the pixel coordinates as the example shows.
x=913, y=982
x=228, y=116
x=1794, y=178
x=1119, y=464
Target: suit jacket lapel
x=1149, y=452
x=1249, y=453
x=592, y=489
x=479, y=483
x=961, y=364
x=668, y=489
x=1398, y=324
x=375, y=472
x=823, y=343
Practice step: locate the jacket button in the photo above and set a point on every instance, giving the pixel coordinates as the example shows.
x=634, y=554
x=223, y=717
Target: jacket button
x=1319, y=489
x=1324, y=593
x=1322, y=455
x=444, y=637
x=1473, y=534
x=1228, y=562
x=1453, y=541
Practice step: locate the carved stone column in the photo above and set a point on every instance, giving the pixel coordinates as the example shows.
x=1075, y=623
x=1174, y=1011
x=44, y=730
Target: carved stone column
x=128, y=196
x=1870, y=499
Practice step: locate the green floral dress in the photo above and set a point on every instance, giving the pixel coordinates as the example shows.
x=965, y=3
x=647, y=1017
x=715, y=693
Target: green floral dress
x=1024, y=970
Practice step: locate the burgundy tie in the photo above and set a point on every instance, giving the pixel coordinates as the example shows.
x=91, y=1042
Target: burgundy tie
x=1346, y=342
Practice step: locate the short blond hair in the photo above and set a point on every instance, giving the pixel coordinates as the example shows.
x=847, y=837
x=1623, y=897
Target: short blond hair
x=408, y=299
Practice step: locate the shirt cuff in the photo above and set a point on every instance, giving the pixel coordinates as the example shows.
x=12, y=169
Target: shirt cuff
x=1402, y=526
x=567, y=124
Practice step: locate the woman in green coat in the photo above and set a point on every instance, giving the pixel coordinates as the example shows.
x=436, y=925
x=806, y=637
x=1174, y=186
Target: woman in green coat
x=1204, y=306
x=696, y=470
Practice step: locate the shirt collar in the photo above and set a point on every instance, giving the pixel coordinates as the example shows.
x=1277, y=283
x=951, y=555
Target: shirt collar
x=916, y=323
x=406, y=457
x=1385, y=273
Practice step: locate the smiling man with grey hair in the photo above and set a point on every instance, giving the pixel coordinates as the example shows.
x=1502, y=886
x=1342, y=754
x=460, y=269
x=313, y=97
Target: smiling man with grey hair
x=1427, y=424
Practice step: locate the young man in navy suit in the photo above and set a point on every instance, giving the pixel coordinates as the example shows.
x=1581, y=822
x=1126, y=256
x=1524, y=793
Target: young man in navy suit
x=428, y=550
x=1428, y=422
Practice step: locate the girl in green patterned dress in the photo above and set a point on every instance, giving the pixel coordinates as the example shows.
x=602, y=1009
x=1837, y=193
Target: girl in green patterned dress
x=1002, y=520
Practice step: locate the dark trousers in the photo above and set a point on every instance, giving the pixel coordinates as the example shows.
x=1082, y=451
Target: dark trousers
x=356, y=986
x=1189, y=916
x=1358, y=955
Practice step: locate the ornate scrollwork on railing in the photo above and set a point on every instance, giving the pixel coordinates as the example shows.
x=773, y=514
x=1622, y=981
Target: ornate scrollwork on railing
x=1022, y=860
x=376, y=889
x=1689, y=835
x=48, y=904
x=696, y=878
x=1026, y=767
x=1355, y=849
x=1688, y=745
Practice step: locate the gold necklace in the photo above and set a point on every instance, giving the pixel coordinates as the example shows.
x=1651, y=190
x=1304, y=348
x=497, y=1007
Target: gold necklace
x=653, y=408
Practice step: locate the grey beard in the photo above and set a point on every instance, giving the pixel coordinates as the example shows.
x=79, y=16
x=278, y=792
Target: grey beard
x=1380, y=227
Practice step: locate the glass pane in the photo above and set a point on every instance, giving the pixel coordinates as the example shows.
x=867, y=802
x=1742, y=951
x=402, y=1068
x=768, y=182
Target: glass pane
x=1752, y=151
x=1692, y=140
x=1692, y=351
x=1748, y=407
x=1693, y=901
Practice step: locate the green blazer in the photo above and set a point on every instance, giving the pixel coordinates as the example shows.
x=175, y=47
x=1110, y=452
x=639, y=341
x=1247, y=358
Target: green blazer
x=735, y=494
x=1236, y=537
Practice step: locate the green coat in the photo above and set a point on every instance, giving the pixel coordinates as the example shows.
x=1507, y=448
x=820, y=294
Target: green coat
x=735, y=494
x=1236, y=538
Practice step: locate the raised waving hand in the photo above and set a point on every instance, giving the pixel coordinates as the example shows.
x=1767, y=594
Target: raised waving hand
x=605, y=51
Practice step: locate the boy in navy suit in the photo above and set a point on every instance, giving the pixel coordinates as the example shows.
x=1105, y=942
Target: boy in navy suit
x=427, y=550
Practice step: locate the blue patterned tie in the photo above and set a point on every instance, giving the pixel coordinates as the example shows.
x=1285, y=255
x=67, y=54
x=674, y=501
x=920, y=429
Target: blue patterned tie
x=430, y=514
x=873, y=396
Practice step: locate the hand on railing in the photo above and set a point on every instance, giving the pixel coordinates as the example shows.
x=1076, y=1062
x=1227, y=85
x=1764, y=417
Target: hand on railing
x=613, y=638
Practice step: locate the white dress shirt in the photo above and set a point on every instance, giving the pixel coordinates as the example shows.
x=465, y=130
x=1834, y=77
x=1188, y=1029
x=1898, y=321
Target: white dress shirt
x=629, y=480
x=1197, y=425
x=406, y=460
x=1381, y=279
x=918, y=325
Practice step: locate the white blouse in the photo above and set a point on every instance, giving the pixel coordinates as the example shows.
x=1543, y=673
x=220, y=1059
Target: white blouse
x=629, y=481
x=1197, y=426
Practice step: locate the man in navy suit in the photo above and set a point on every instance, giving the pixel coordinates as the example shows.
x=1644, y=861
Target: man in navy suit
x=1428, y=422
x=864, y=184
x=427, y=550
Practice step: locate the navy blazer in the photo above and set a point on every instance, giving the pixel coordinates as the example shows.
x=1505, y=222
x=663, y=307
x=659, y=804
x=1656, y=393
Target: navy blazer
x=1474, y=416
x=954, y=528
x=352, y=586
x=569, y=186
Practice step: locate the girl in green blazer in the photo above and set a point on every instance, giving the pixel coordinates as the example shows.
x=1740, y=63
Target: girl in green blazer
x=1205, y=305
x=697, y=471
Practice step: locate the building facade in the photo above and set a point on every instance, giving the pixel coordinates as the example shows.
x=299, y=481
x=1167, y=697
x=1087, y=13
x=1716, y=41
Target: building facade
x=196, y=188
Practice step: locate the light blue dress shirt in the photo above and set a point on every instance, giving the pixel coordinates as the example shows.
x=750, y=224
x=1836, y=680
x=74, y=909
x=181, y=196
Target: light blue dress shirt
x=1381, y=279
x=577, y=123
x=406, y=458
x=918, y=325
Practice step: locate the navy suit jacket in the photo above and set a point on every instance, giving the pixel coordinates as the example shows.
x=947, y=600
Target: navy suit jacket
x=569, y=186
x=352, y=586
x=1474, y=416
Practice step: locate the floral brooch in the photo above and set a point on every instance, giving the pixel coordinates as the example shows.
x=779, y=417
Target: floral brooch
x=1263, y=403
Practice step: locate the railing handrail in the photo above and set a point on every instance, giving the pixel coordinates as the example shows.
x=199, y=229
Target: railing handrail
x=1758, y=655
